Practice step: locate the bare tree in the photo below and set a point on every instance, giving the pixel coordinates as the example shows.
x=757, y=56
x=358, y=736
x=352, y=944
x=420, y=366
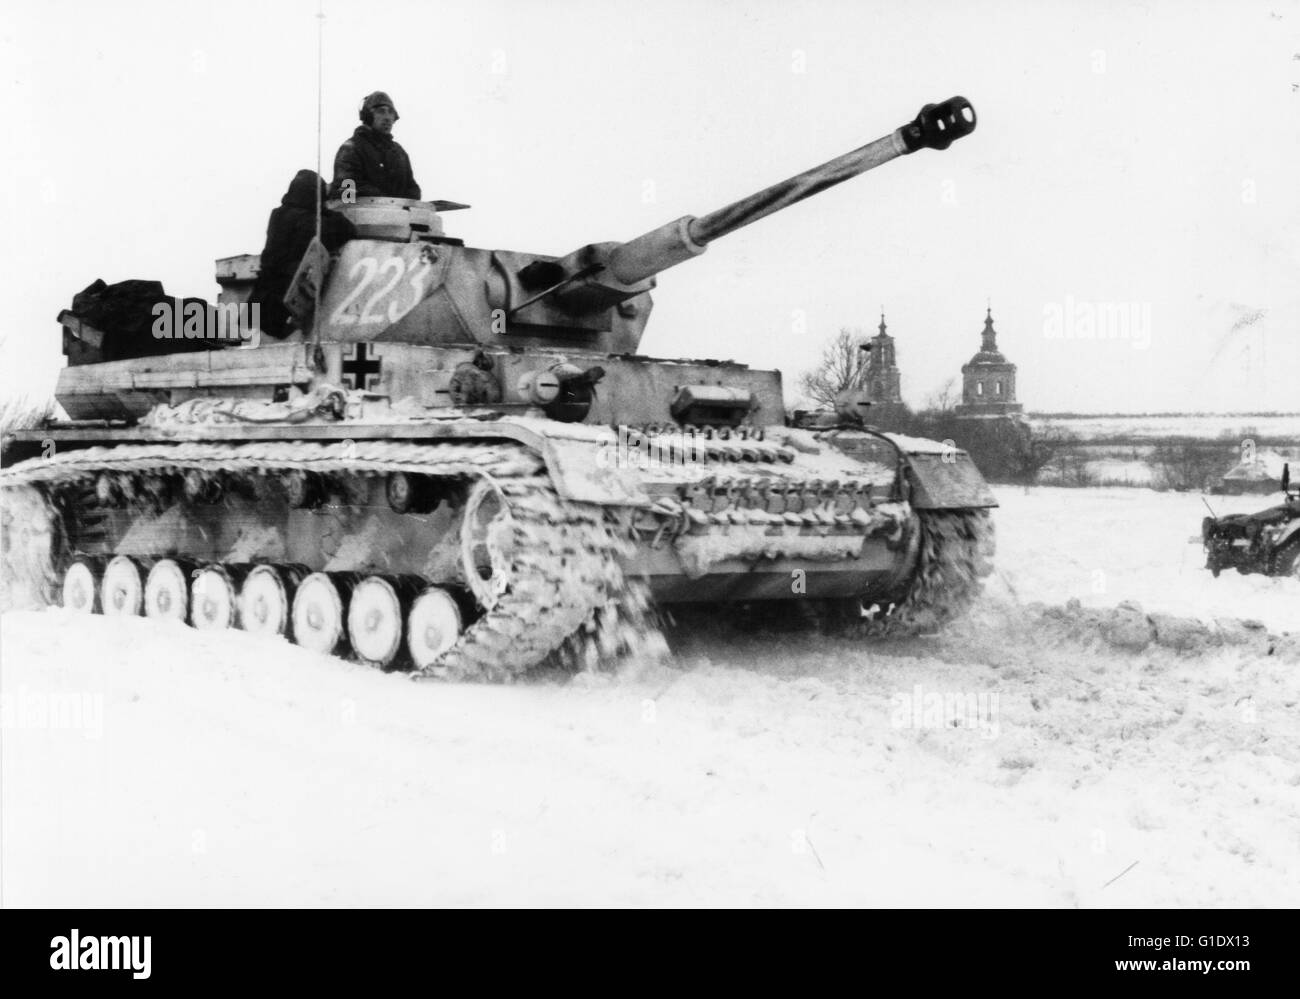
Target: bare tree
x=945, y=400
x=843, y=366
x=1187, y=466
x=1033, y=450
x=1068, y=466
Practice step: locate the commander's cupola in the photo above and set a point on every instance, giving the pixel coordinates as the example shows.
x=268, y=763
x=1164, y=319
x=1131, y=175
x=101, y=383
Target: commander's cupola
x=397, y=220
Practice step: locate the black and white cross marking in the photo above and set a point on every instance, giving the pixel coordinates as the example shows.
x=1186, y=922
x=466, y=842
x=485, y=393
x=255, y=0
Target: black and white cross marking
x=360, y=371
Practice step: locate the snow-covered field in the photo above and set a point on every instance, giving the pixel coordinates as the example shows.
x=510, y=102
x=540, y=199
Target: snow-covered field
x=1112, y=544
x=990, y=765
x=1208, y=426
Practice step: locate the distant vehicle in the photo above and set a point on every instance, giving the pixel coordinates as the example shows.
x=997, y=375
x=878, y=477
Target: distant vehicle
x=1266, y=542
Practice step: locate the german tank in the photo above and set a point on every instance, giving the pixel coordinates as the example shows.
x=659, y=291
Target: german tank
x=464, y=467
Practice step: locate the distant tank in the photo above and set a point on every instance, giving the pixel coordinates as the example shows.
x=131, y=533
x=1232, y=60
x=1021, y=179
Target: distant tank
x=465, y=468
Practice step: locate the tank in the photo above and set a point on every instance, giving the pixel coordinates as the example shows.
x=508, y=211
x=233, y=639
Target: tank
x=465, y=466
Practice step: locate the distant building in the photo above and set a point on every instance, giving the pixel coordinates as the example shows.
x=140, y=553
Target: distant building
x=880, y=376
x=989, y=380
x=882, y=380
x=1262, y=473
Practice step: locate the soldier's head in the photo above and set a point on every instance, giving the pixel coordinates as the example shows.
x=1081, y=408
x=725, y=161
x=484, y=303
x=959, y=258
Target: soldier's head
x=377, y=112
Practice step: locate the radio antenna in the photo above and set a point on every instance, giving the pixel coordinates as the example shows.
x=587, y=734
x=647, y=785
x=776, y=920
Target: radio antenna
x=317, y=360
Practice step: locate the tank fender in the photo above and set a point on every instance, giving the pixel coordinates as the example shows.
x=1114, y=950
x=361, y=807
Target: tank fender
x=941, y=476
x=585, y=464
x=940, y=483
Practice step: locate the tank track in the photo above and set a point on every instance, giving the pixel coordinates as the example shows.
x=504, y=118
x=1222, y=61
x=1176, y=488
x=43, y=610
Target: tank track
x=955, y=555
x=567, y=592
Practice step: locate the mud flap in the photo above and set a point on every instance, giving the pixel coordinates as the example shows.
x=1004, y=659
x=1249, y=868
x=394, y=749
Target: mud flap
x=587, y=471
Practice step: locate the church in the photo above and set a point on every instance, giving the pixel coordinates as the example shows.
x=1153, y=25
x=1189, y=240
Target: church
x=988, y=381
x=881, y=378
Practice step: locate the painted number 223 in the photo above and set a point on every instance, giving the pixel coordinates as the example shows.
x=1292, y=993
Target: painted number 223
x=387, y=276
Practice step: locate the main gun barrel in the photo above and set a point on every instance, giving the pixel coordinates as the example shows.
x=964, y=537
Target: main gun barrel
x=936, y=127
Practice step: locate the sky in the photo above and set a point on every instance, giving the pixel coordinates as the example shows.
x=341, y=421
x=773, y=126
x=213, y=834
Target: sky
x=1128, y=203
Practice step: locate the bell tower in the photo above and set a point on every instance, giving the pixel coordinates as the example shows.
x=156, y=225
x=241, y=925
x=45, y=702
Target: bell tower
x=880, y=375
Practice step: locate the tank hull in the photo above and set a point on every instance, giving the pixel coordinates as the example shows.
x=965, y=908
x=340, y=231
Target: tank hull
x=644, y=517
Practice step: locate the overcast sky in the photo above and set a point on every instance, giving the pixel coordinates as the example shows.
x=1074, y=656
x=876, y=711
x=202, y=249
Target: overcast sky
x=1135, y=160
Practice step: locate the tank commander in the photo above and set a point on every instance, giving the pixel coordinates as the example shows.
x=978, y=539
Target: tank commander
x=374, y=164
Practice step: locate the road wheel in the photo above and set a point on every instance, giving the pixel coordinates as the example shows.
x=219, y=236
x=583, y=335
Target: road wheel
x=433, y=626
x=320, y=611
x=122, y=587
x=81, y=589
x=214, y=596
x=167, y=590
x=266, y=598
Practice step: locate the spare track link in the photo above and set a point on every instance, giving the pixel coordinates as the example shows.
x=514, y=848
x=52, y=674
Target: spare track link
x=565, y=580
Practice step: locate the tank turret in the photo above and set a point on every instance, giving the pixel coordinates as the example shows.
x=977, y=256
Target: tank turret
x=424, y=287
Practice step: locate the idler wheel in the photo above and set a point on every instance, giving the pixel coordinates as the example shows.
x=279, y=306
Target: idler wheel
x=121, y=593
x=266, y=598
x=433, y=626
x=167, y=590
x=214, y=596
x=81, y=585
x=376, y=614
x=484, y=544
x=320, y=611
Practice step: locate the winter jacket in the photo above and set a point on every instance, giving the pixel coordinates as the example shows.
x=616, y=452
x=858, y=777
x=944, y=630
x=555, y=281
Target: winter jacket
x=288, y=234
x=378, y=165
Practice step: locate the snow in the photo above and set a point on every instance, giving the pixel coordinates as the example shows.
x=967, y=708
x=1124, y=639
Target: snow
x=1206, y=426
x=1265, y=465
x=1107, y=545
x=989, y=765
